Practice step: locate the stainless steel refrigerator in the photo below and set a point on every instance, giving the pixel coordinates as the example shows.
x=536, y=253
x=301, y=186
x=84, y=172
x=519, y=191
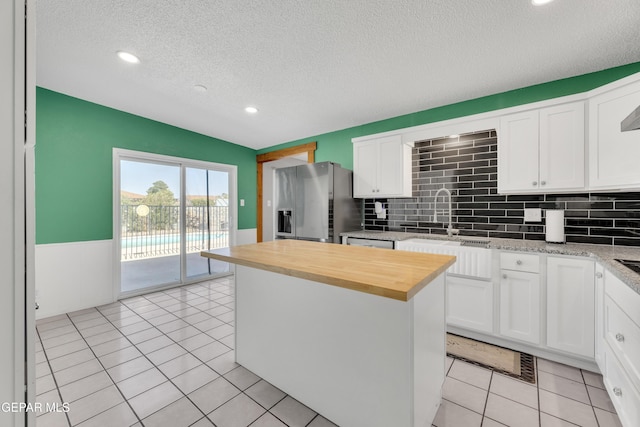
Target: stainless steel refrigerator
x=314, y=202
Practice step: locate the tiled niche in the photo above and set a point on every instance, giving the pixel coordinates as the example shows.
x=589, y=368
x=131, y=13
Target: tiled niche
x=467, y=166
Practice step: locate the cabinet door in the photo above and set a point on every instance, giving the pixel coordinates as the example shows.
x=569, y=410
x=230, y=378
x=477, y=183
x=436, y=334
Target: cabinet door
x=520, y=306
x=518, y=153
x=365, y=166
x=623, y=394
x=562, y=147
x=392, y=166
x=571, y=305
x=613, y=154
x=470, y=303
x=599, y=313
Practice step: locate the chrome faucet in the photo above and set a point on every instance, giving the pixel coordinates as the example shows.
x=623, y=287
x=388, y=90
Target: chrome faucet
x=450, y=230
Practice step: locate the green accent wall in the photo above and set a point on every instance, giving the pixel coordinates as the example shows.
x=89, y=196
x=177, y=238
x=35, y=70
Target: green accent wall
x=74, y=183
x=336, y=146
x=75, y=138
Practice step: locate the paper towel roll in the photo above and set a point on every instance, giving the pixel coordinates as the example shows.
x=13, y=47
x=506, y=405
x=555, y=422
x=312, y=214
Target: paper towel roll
x=555, y=226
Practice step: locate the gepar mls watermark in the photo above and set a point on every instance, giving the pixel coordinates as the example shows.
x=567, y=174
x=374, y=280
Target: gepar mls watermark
x=37, y=407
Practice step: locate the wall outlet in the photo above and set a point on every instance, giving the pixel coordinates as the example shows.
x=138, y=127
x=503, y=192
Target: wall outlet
x=241, y=202
x=533, y=215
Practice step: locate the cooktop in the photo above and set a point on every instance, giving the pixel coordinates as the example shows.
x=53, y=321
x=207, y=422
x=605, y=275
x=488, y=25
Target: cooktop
x=631, y=264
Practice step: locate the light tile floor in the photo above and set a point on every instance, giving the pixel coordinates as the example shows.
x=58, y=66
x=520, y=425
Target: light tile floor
x=167, y=359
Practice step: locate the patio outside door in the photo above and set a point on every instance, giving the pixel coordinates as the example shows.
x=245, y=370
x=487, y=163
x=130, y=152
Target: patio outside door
x=207, y=220
x=167, y=210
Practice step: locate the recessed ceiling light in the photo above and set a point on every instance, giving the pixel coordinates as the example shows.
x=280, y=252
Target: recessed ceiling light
x=128, y=57
x=200, y=88
x=455, y=135
x=540, y=2
x=251, y=110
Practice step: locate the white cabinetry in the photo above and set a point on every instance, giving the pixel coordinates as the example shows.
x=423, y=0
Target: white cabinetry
x=542, y=150
x=613, y=154
x=470, y=303
x=570, y=305
x=622, y=325
x=382, y=168
x=621, y=349
x=599, y=314
x=520, y=297
x=623, y=394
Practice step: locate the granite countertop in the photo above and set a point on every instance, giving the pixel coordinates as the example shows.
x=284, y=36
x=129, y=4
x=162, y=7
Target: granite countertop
x=392, y=274
x=604, y=254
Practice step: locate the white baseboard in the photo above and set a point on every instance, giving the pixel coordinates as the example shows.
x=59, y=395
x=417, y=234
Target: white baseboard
x=73, y=276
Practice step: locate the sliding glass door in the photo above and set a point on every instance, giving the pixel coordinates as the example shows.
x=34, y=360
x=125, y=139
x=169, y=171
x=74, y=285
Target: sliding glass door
x=206, y=219
x=167, y=210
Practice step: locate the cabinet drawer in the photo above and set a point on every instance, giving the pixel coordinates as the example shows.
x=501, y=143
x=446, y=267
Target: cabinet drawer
x=520, y=262
x=623, y=394
x=623, y=336
x=626, y=298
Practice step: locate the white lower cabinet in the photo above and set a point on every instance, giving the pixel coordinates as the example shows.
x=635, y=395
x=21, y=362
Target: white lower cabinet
x=623, y=394
x=520, y=305
x=565, y=308
x=618, y=353
x=469, y=303
x=570, y=305
x=622, y=325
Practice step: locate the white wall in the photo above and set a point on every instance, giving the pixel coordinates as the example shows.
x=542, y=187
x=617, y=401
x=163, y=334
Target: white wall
x=247, y=236
x=78, y=275
x=73, y=276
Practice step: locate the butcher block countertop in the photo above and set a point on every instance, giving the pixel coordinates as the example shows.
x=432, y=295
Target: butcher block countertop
x=385, y=272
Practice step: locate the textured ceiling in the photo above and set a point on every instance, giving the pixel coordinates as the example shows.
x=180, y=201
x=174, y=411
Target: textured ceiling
x=315, y=66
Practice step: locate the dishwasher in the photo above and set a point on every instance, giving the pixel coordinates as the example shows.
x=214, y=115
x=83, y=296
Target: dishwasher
x=372, y=243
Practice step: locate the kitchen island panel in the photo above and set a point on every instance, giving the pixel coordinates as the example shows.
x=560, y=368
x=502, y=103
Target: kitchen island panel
x=356, y=358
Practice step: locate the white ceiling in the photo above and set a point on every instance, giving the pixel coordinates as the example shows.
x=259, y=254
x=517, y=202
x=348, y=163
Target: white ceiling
x=315, y=66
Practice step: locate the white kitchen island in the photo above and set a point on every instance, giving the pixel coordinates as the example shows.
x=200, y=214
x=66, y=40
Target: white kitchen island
x=357, y=334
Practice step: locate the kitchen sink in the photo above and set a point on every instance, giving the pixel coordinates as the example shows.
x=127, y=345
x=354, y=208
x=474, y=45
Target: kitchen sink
x=478, y=243
x=473, y=257
x=433, y=242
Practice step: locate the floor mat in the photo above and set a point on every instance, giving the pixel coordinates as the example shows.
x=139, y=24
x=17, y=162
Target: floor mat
x=506, y=361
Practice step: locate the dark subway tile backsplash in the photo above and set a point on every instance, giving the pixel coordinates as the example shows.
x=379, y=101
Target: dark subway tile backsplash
x=467, y=166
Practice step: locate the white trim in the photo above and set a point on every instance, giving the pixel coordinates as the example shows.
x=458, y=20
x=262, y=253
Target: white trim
x=490, y=119
x=181, y=162
x=30, y=225
x=19, y=216
x=16, y=73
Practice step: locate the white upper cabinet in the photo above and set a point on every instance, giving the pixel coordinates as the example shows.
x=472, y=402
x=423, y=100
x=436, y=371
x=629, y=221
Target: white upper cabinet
x=518, y=152
x=613, y=154
x=382, y=168
x=542, y=150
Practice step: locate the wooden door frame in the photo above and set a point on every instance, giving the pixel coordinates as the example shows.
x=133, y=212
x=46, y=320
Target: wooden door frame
x=261, y=159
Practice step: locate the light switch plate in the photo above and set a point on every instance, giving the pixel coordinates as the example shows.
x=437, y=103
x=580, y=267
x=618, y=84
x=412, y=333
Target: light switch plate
x=533, y=215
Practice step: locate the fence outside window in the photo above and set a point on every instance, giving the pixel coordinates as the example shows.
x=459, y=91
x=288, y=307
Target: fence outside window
x=153, y=231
